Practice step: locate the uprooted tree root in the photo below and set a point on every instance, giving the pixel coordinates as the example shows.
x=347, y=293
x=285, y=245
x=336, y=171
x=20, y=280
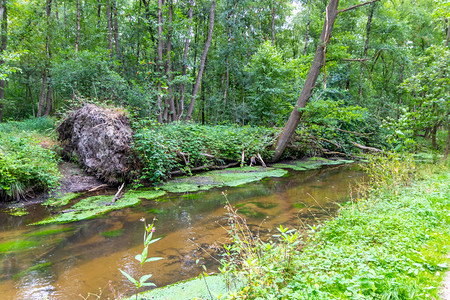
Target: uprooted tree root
x=99, y=139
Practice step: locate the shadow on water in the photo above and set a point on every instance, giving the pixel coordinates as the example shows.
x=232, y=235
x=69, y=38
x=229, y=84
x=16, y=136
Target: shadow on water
x=68, y=260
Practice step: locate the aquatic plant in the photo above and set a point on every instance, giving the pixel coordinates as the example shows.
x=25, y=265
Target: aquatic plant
x=143, y=258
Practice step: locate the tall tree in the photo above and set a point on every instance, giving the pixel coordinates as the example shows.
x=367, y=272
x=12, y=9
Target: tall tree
x=202, y=61
x=3, y=43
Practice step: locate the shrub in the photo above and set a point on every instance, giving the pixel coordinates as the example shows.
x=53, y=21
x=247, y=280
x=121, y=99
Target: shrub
x=25, y=166
x=163, y=148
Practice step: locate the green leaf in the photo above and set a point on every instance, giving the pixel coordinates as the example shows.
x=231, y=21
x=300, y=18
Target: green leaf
x=153, y=259
x=144, y=278
x=131, y=279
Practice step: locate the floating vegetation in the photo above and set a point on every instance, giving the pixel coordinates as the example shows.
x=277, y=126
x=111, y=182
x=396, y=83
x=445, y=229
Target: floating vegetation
x=61, y=201
x=312, y=164
x=112, y=233
x=17, y=211
x=49, y=232
x=19, y=245
x=229, y=177
x=99, y=205
x=38, y=268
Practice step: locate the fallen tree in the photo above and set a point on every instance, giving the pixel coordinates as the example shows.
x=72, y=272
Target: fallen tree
x=100, y=140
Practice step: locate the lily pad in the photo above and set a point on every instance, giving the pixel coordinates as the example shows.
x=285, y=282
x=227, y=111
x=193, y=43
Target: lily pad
x=56, y=202
x=229, y=177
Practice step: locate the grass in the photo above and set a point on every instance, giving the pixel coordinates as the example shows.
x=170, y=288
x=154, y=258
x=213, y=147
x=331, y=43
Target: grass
x=391, y=244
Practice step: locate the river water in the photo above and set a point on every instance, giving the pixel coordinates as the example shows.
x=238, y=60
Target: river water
x=70, y=261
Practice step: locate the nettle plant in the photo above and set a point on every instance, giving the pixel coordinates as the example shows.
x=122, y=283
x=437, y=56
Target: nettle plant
x=143, y=258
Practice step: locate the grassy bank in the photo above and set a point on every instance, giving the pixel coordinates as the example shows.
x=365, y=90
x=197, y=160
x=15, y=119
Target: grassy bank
x=27, y=161
x=390, y=245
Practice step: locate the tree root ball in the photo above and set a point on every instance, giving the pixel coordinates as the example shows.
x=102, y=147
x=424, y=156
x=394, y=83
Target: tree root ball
x=100, y=140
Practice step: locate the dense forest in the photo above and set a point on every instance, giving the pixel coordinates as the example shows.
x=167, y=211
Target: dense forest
x=227, y=61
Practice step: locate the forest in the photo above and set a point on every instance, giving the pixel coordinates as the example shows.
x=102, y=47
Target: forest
x=158, y=99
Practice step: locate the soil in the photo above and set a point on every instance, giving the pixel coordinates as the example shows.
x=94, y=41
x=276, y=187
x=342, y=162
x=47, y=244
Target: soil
x=74, y=180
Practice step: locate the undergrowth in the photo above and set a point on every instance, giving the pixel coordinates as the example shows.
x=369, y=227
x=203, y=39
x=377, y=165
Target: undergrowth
x=178, y=146
x=25, y=165
x=391, y=244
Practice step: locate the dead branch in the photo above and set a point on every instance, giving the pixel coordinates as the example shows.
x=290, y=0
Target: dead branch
x=210, y=167
x=331, y=142
x=366, y=148
x=98, y=187
x=356, y=6
x=118, y=195
x=258, y=156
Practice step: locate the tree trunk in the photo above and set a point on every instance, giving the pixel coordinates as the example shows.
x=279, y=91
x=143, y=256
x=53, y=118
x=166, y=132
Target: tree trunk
x=273, y=23
x=56, y=10
x=43, y=97
x=99, y=13
x=77, y=41
x=447, y=144
x=160, y=62
x=314, y=71
x=433, y=137
x=172, y=111
x=185, y=55
x=366, y=47
x=116, y=30
x=108, y=19
x=202, y=61
x=3, y=43
x=48, y=98
x=308, y=23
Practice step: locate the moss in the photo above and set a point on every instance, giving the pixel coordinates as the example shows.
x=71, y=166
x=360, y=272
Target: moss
x=39, y=268
x=148, y=194
x=49, y=232
x=64, y=200
x=98, y=205
x=112, y=233
x=191, y=289
x=229, y=177
x=312, y=164
x=20, y=245
x=17, y=211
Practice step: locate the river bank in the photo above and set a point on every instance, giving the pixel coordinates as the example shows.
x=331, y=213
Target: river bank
x=392, y=245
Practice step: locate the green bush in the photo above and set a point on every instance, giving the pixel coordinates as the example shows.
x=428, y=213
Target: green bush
x=24, y=165
x=160, y=148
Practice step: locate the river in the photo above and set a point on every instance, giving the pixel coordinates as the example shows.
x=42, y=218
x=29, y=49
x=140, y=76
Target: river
x=69, y=261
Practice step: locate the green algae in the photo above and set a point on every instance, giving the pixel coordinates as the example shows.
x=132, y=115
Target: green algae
x=148, y=194
x=20, y=245
x=49, y=232
x=189, y=290
x=99, y=205
x=17, y=211
x=112, y=233
x=248, y=212
x=312, y=164
x=229, y=177
x=61, y=201
x=38, y=268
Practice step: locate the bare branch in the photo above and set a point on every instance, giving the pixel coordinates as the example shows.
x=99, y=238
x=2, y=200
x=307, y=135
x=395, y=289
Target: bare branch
x=356, y=6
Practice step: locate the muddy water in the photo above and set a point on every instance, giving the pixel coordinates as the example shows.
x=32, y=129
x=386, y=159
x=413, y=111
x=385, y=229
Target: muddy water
x=79, y=258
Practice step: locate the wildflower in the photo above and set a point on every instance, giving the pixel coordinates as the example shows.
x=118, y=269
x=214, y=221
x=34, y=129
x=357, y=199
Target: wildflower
x=142, y=219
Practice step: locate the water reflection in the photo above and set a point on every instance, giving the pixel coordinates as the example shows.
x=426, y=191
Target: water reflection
x=86, y=257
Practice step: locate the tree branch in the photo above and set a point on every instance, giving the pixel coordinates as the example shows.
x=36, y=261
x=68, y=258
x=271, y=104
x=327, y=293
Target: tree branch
x=356, y=6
